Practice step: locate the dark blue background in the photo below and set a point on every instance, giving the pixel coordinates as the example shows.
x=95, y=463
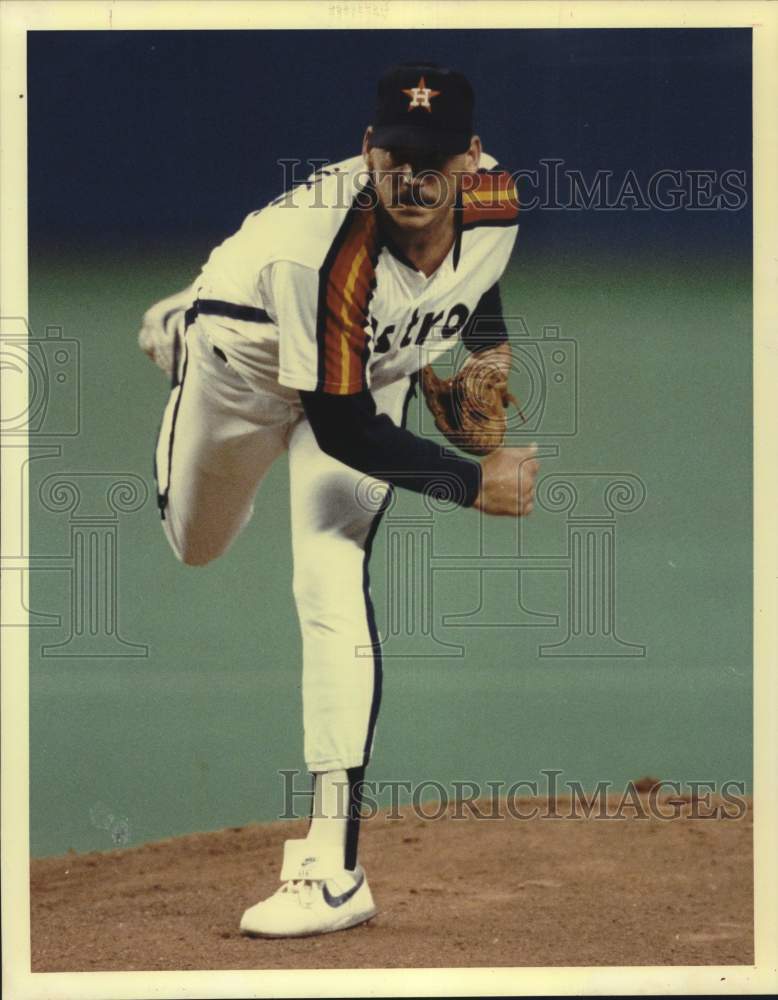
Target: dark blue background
x=143, y=137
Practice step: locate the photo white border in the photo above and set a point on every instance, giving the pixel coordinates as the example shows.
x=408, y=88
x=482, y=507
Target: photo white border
x=16, y=18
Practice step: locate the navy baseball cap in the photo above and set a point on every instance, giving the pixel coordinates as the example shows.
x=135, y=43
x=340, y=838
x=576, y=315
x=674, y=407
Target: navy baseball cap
x=423, y=106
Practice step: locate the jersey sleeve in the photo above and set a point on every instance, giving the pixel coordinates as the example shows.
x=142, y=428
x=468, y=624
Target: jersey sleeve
x=324, y=339
x=290, y=292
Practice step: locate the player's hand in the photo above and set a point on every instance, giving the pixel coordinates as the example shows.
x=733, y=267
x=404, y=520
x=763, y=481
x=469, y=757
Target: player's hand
x=508, y=482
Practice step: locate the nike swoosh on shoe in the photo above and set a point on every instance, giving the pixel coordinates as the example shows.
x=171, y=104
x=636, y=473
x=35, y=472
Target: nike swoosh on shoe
x=344, y=897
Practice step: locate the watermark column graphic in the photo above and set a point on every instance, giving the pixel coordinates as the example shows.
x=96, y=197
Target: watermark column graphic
x=408, y=537
x=502, y=575
x=49, y=372
x=93, y=501
x=17, y=563
x=591, y=502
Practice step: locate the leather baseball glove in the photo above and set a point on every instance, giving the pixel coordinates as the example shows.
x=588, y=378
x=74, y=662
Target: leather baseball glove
x=471, y=408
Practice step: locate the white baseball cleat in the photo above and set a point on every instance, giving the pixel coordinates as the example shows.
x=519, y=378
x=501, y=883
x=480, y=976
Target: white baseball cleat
x=318, y=896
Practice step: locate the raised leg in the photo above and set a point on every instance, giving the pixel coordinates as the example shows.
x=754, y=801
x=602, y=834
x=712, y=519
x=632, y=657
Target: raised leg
x=218, y=438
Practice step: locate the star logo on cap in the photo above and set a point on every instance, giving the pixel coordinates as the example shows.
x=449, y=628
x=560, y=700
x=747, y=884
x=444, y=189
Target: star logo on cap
x=421, y=95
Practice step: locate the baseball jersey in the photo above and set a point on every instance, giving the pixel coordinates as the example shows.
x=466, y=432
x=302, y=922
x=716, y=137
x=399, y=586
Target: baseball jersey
x=317, y=298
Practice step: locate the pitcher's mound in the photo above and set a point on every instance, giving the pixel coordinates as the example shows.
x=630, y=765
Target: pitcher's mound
x=461, y=891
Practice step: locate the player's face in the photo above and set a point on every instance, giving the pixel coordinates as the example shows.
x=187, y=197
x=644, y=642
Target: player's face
x=417, y=188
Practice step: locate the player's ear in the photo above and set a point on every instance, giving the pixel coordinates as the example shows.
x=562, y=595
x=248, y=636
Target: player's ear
x=367, y=144
x=473, y=154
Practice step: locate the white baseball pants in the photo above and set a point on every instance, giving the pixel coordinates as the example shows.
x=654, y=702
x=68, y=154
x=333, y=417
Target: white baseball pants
x=219, y=436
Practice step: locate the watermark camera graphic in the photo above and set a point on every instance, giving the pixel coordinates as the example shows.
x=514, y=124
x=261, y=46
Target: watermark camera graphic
x=545, y=372
x=47, y=402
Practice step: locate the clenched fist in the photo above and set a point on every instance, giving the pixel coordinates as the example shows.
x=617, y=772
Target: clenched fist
x=508, y=482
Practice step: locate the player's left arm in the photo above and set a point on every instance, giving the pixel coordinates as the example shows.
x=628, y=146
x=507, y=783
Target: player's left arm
x=486, y=334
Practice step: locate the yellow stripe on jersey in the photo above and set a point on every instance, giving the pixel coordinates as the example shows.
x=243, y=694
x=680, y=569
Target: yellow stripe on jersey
x=348, y=278
x=348, y=309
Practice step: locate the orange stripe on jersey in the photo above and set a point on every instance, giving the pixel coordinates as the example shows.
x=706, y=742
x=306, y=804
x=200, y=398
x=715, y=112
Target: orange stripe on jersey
x=489, y=199
x=346, y=283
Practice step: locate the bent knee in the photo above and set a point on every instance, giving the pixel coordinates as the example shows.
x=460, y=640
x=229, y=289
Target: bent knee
x=191, y=550
x=196, y=557
x=200, y=537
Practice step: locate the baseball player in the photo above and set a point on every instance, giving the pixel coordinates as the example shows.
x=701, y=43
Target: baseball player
x=305, y=333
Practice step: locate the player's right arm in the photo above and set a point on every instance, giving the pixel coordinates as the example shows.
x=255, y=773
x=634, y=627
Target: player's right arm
x=349, y=429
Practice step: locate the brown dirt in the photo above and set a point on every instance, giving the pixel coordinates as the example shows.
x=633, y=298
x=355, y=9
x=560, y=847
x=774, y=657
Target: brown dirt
x=450, y=892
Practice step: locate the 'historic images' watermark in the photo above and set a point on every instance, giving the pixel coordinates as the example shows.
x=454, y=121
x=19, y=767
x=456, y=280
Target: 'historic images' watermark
x=551, y=797
x=551, y=185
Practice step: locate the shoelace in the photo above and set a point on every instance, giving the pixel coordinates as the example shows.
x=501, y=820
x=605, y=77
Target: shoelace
x=302, y=888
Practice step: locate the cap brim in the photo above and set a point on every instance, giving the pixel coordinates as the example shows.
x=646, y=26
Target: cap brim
x=416, y=137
